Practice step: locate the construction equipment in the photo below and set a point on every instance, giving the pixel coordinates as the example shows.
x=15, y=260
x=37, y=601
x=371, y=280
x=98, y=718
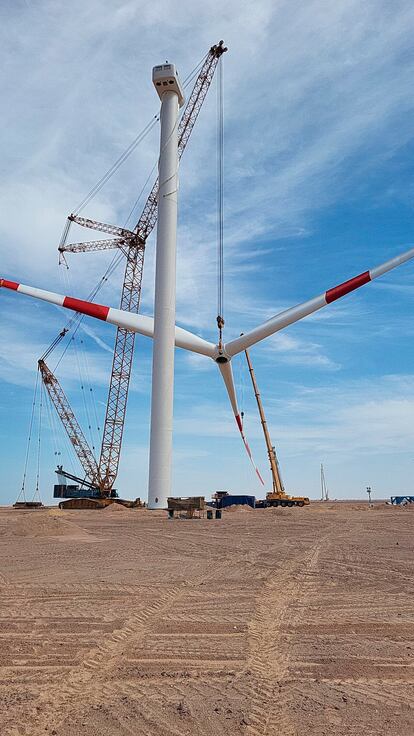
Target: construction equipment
x=278, y=495
x=190, y=506
x=83, y=488
x=98, y=503
x=224, y=499
x=132, y=244
x=401, y=500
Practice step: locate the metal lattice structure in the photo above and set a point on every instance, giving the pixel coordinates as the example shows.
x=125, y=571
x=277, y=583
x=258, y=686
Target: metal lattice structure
x=70, y=423
x=132, y=243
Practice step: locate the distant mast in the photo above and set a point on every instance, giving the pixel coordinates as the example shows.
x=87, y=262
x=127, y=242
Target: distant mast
x=324, y=487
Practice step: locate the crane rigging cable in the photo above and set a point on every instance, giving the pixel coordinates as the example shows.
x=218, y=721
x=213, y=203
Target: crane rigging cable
x=220, y=196
x=22, y=494
x=115, y=166
x=77, y=318
x=81, y=357
x=36, y=495
x=126, y=153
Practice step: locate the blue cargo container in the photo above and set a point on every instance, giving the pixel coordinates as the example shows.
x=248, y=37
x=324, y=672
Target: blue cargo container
x=228, y=500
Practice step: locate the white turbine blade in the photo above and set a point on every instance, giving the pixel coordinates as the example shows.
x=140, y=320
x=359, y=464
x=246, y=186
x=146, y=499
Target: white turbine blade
x=134, y=322
x=227, y=373
x=294, y=314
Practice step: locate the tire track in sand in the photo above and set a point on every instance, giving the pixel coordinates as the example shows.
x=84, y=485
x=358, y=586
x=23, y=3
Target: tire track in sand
x=86, y=681
x=268, y=661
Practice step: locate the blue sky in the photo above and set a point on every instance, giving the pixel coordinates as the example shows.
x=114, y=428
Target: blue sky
x=318, y=187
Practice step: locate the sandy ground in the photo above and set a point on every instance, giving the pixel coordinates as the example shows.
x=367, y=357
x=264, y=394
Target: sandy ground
x=281, y=621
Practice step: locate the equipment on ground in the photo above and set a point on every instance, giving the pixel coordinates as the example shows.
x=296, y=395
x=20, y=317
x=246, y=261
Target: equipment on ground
x=83, y=489
x=401, y=500
x=79, y=496
x=278, y=495
x=223, y=499
x=99, y=503
x=190, y=506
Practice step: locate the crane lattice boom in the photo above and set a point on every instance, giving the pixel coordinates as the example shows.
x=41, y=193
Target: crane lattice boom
x=132, y=243
x=70, y=423
x=96, y=245
x=103, y=227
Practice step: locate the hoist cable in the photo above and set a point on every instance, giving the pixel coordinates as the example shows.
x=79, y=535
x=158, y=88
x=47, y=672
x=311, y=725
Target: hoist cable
x=117, y=257
x=39, y=439
x=22, y=491
x=115, y=166
x=65, y=234
x=52, y=424
x=98, y=186
x=81, y=379
x=77, y=317
x=90, y=396
x=127, y=152
x=135, y=205
x=220, y=199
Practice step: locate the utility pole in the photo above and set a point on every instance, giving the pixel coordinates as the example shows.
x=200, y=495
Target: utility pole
x=369, y=495
x=168, y=86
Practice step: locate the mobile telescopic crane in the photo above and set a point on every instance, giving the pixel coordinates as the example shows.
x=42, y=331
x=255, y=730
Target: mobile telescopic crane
x=277, y=496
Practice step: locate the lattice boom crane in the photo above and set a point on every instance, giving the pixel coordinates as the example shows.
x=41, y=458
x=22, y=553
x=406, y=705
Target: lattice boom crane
x=132, y=243
x=70, y=423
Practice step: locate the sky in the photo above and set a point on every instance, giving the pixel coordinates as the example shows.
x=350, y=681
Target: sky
x=318, y=186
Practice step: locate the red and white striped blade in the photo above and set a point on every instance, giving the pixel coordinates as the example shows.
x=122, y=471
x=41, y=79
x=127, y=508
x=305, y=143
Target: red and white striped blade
x=227, y=373
x=136, y=322
x=294, y=314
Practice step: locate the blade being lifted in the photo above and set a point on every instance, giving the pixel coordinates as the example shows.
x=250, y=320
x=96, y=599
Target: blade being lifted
x=188, y=341
x=227, y=373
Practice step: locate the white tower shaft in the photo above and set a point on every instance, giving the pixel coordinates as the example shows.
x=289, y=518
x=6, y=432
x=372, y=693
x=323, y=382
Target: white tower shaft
x=160, y=462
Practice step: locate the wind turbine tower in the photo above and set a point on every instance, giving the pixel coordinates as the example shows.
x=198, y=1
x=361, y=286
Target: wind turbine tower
x=168, y=86
x=324, y=487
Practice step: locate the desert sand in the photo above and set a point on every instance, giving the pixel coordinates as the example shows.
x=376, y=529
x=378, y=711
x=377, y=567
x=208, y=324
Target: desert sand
x=289, y=622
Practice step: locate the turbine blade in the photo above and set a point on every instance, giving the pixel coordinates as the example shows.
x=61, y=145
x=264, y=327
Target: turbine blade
x=227, y=373
x=134, y=322
x=294, y=314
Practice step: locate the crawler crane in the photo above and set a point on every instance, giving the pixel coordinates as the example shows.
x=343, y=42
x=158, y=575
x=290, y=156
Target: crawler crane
x=277, y=496
x=100, y=475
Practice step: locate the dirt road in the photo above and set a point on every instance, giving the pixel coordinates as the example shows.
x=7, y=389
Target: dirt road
x=271, y=622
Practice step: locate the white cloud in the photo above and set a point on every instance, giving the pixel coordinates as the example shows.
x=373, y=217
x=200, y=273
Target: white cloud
x=316, y=99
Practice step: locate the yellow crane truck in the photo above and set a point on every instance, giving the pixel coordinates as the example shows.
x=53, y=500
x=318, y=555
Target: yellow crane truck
x=277, y=496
